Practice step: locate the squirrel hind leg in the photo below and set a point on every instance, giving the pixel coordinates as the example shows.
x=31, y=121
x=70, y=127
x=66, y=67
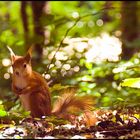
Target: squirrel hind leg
x=40, y=106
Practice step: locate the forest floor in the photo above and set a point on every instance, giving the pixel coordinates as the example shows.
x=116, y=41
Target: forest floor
x=105, y=124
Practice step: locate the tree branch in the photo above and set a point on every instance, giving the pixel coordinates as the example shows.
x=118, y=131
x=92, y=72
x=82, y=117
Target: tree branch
x=69, y=29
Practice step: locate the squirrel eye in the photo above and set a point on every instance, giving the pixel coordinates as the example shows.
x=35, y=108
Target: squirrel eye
x=24, y=65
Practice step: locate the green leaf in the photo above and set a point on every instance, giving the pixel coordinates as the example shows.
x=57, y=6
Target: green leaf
x=55, y=120
x=88, y=65
x=58, y=87
x=120, y=99
x=5, y=125
x=26, y=113
x=3, y=113
x=131, y=82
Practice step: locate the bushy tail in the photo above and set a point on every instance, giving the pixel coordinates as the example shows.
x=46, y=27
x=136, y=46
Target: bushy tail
x=68, y=101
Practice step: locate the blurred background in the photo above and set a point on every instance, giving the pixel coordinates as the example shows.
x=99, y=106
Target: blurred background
x=82, y=44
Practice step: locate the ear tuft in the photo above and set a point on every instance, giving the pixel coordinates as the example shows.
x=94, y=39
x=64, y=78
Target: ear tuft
x=13, y=56
x=30, y=50
x=28, y=55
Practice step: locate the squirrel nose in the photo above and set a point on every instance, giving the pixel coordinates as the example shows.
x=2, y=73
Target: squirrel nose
x=17, y=73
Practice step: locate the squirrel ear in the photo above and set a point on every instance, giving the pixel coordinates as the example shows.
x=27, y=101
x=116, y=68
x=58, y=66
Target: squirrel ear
x=29, y=54
x=13, y=56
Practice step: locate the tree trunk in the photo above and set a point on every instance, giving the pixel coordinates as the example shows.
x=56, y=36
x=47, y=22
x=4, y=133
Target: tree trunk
x=129, y=27
x=38, y=12
x=24, y=18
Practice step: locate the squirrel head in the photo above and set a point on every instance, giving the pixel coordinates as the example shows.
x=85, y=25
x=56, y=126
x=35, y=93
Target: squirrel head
x=21, y=64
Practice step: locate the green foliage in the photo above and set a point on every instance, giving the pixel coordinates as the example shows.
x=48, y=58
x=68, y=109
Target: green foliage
x=3, y=113
x=100, y=79
x=58, y=87
x=131, y=82
x=56, y=121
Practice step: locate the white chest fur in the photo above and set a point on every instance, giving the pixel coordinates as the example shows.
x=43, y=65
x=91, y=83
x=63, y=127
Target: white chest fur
x=20, y=82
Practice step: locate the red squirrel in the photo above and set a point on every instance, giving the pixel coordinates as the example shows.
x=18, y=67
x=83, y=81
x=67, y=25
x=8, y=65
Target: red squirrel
x=33, y=90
